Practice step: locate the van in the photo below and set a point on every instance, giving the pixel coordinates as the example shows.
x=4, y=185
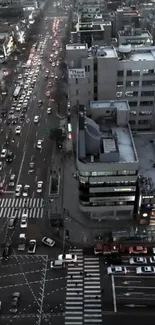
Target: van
x=56, y=264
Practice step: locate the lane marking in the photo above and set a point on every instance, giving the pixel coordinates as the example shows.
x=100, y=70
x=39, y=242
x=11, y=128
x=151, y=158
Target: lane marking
x=114, y=294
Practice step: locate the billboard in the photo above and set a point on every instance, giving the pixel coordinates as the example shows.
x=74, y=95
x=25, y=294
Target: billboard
x=76, y=73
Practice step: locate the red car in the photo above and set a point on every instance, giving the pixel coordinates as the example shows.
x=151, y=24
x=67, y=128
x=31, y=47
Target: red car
x=137, y=250
x=106, y=248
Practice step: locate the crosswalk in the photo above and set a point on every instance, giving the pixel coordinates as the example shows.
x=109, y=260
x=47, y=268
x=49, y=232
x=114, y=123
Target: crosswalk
x=83, y=291
x=33, y=207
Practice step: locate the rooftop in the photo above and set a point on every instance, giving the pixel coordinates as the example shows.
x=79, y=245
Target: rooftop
x=128, y=11
x=104, y=51
x=101, y=138
x=145, y=145
x=138, y=32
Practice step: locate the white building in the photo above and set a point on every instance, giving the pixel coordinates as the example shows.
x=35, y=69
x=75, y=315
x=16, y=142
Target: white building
x=107, y=161
x=107, y=73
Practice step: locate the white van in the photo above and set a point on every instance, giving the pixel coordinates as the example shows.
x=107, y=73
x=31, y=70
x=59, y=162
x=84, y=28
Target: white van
x=56, y=264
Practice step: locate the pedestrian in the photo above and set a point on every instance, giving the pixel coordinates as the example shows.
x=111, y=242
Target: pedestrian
x=85, y=273
x=76, y=284
x=102, y=291
x=71, y=276
x=81, y=273
x=96, y=297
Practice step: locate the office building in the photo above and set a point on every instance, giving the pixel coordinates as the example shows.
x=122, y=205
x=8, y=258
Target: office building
x=107, y=73
x=126, y=16
x=135, y=36
x=107, y=161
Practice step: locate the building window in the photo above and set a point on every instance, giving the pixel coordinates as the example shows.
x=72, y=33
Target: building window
x=135, y=72
x=129, y=73
x=120, y=73
x=119, y=94
x=146, y=103
x=148, y=72
x=127, y=172
x=95, y=78
x=77, y=92
x=141, y=122
x=145, y=113
x=148, y=83
x=132, y=104
x=88, y=68
x=131, y=93
x=85, y=68
x=147, y=93
x=120, y=84
x=76, y=81
x=132, y=122
x=133, y=112
x=132, y=84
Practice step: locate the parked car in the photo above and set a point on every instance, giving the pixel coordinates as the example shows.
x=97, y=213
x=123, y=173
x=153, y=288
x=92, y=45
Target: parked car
x=32, y=246
x=15, y=302
x=48, y=241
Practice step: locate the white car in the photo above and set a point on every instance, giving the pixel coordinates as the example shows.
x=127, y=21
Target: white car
x=48, y=241
x=152, y=259
x=138, y=260
x=18, y=190
x=36, y=119
x=49, y=110
x=23, y=222
x=39, y=187
x=18, y=107
x=147, y=270
x=3, y=153
x=18, y=129
x=67, y=258
x=26, y=190
x=53, y=64
x=1, y=165
x=116, y=270
x=32, y=246
x=39, y=144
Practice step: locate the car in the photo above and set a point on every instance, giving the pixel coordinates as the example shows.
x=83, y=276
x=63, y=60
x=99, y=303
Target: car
x=22, y=242
x=23, y=222
x=10, y=157
x=32, y=246
x=18, y=190
x=12, y=180
x=1, y=185
x=15, y=302
x=116, y=270
x=113, y=259
x=48, y=241
x=147, y=270
x=39, y=187
x=1, y=165
x=48, y=93
x=18, y=107
x=138, y=260
x=152, y=259
x=3, y=153
x=138, y=250
x=40, y=102
x=18, y=129
x=36, y=119
x=12, y=222
x=49, y=110
x=53, y=64
x=26, y=190
x=67, y=258
x=39, y=144
x=31, y=166
x=7, y=251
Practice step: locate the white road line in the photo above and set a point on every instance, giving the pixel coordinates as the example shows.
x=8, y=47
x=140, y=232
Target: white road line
x=114, y=293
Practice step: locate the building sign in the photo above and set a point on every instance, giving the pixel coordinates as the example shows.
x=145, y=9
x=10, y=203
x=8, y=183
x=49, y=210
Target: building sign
x=76, y=73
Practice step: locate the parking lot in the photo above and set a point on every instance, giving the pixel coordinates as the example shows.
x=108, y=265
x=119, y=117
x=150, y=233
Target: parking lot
x=42, y=290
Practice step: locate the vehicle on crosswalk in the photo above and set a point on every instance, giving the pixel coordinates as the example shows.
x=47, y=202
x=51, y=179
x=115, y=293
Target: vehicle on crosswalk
x=48, y=241
x=15, y=302
x=23, y=222
x=39, y=187
x=152, y=259
x=32, y=246
x=18, y=190
x=114, y=270
x=138, y=250
x=22, y=242
x=12, y=180
x=26, y=190
x=67, y=258
x=12, y=222
x=138, y=260
x=146, y=270
x=2, y=182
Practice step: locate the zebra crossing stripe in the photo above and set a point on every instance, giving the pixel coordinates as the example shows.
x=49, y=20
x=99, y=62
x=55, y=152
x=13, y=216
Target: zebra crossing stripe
x=33, y=213
x=20, y=202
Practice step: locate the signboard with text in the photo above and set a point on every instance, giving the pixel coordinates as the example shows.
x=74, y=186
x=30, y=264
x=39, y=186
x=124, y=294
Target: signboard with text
x=76, y=73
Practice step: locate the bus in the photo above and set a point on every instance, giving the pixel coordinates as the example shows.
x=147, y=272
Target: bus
x=17, y=92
